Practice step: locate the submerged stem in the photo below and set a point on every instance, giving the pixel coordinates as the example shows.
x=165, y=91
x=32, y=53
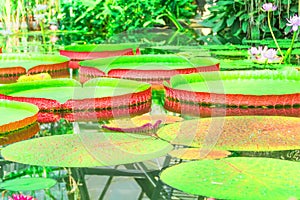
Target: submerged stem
x=270, y=27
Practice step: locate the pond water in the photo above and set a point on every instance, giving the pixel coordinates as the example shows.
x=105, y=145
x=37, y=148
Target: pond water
x=136, y=180
x=129, y=181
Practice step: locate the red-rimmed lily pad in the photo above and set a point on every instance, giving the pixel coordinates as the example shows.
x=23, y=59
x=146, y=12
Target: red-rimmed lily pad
x=153, y=69
x=86, y=150
x=240, y=88
x=212, y=111
x=16, y=115
x=144, y=123
x=27, y=184
x=92, y=51
x=236, y=178
x=242, y=133
x=15, y=65
x=20, y=134
x=107, y=96
x=199, y=154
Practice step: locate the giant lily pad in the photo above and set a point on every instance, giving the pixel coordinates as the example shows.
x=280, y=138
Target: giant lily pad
x=20, y=134
x=16, y=115
x=247, y=133
x=247, y=88
x=27, y=184
x=153, y=69
x=229, y=65
x=92, y=51
x=237, y=178
x=113, y=97
x=15, y=65
x=86, y=150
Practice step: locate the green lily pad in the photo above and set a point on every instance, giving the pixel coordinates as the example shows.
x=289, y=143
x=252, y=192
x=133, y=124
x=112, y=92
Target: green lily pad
x=147, y=62
x=246, y=133
x=15, y=115
x=236, y=178
x=63, y=90
x=100, y=47
x=23, y=133
x=228, y=65
x=236, y=88
x=231, y=54
x=27, y=184
x=247, y=82
x=29, y=61
x=86, y=150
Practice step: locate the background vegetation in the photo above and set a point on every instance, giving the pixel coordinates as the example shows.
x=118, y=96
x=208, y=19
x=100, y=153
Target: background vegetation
x=231, y=21
x=235, y=20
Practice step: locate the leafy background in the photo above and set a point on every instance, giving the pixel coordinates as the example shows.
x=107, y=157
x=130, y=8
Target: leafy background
x=235, y=20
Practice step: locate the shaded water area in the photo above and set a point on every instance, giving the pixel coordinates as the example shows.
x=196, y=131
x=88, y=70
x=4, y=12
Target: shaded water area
x=137, y=180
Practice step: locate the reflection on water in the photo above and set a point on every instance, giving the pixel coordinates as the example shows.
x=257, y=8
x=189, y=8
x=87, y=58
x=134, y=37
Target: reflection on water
x=32, y=41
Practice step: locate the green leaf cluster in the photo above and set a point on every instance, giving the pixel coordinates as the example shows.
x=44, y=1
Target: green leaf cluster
x=232, y=21
x=109, y=17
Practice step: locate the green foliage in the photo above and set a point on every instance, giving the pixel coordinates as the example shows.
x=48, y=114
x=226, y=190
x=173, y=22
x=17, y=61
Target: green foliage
x=110, y=17
x=236, y=178
x=235, y=20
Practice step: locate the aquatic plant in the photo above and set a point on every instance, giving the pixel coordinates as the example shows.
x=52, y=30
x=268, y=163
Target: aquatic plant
x=238, y=133
x=87, y=149
x=98, y=99
x=264, y=55
x=236, y=178
x=294, y=22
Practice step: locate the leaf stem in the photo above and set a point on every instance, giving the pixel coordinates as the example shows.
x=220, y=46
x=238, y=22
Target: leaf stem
x=270, y=27
x=287, y=57
x=43, y=35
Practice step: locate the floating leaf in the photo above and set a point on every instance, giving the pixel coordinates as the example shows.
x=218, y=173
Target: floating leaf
x=20, y=134
x=14, y=65
x=93, y=51
x=86, y=150
x=16, y=115
x=245, y=133
x=237, y=178
x=27, y=184
x=108, y=97
x=149, y=68
x=247, y=88
x=199, y=154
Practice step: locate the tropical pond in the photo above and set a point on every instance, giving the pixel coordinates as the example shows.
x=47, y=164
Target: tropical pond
x=137, y=102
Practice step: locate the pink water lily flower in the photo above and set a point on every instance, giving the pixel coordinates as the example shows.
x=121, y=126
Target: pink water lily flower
x=294, y=22
x=255, y=52
x=269, y=7
x=263, y=54
x=21, y=197
x=270, y=54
